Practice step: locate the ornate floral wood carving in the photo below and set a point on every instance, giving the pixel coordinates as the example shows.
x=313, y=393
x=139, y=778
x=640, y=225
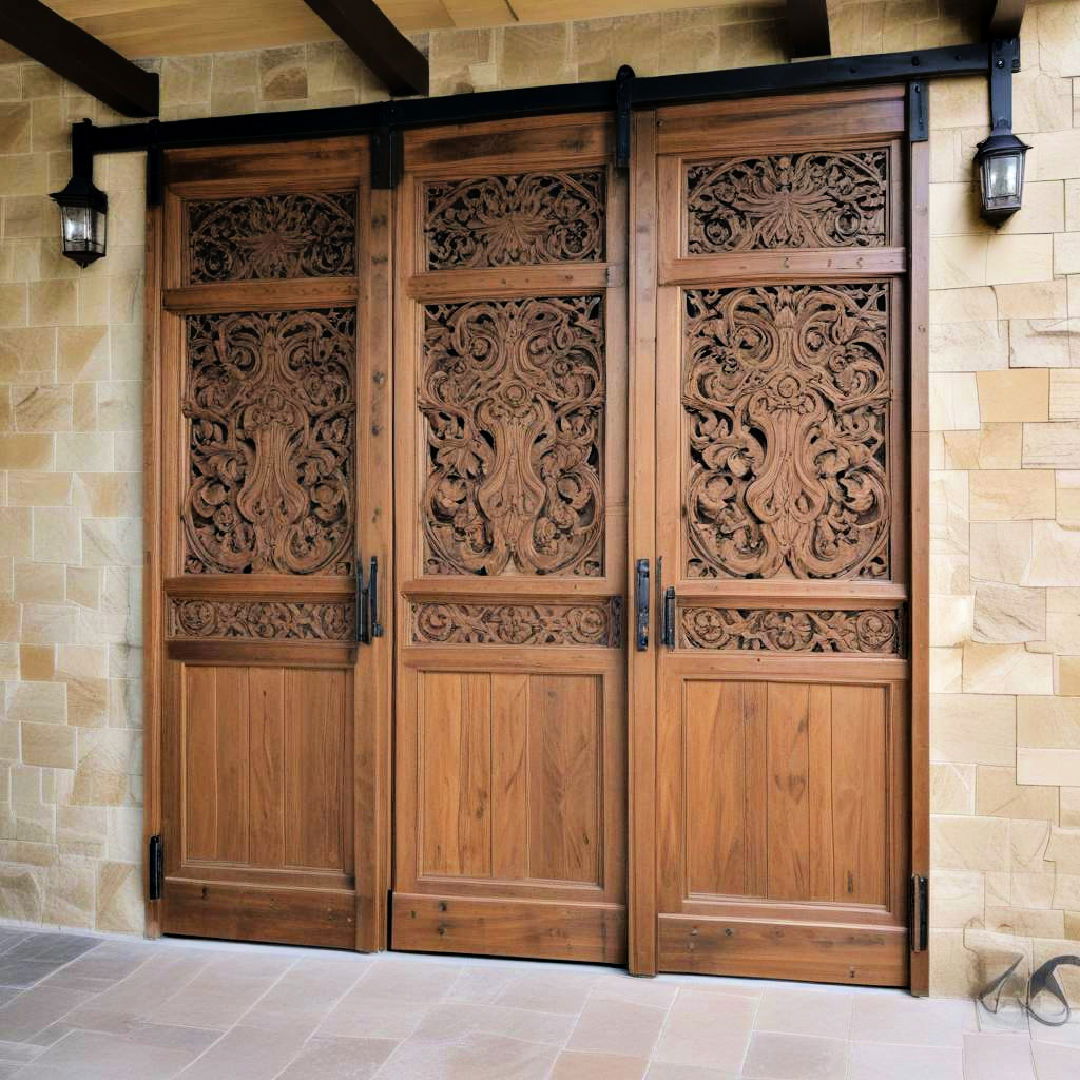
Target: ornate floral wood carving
x=272, y=236
x=515, y=220
x=270, y=402
x=786, y=390
x=267, y=620
x=512, y=392
x=516, y=624
x=876, y=630
x=828, y=199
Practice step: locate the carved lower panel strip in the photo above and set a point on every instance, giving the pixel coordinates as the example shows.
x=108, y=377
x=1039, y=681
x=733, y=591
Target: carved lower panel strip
x=875, y=631
x=266, y=620
x=596, y=624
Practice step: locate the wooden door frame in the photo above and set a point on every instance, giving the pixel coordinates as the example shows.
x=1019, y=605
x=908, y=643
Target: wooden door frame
x=642, y=895
x=372, y=694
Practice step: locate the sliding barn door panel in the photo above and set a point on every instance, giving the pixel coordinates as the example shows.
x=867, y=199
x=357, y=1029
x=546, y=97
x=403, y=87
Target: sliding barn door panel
x=782, y=726
x=265, y=362
x=511, y=429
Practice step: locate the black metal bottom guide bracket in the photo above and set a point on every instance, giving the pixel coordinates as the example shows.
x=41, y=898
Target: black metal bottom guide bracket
x=385, y=121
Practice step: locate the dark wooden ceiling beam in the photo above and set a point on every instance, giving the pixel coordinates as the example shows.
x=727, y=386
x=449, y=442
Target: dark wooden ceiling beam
x=79, y=57
x=377, y=41
x=808, y=28
x=1004, y=17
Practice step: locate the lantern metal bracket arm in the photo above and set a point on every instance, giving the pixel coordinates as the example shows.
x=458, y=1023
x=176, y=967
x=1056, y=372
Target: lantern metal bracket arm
x=626, y=94
x=1004, y=63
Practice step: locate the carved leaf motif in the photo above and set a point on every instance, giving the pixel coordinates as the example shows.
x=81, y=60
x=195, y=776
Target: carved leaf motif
x=512, y=392
x=272, y=236
x=786, y=394
x=269, y=401
x=515, y=220
x=874, y=631
x=516, y=624
x=267, y=620
x=828, y=199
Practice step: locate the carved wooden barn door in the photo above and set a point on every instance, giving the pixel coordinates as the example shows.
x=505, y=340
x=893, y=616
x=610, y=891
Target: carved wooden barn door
x=782, y=723
x=511, y=527
x=270, y=480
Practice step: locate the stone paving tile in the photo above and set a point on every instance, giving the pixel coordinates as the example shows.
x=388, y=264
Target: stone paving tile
x=246, y=1053
x=880, y=1061
x=997, y=1057
x=88, y=1055
x=617, y=1027
x=28, y=1017
x=339, y=1059
x=23, y=973
x=774, y=1056
x=577, y=1066
x=483, y=1057
x=61, y=948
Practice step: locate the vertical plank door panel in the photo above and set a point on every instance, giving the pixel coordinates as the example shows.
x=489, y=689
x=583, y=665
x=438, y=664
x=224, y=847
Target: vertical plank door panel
x=511, y=486
x=783, y=527
x=273, y=719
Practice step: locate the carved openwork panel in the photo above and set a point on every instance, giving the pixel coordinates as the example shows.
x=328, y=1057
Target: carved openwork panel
x=786, y=397
x=516, y=623
x=875, y=631
x=512, y=393
x=266, y=620
x=514, y=220
x=827, y=199
x=271, y=236
x=269, y=400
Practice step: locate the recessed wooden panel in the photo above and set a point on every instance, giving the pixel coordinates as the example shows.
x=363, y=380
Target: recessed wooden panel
x=266, y=765
x=511, y=776
x=785, y=791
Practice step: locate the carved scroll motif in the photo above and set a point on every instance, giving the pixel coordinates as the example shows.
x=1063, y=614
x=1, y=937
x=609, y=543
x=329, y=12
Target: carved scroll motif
x=514, y=220
x=516, y=624
x=786, y=393
x=512, y=392
x=876, y=631
x=828, y=199
x=265, y=620
x=272, y=236
x=269, y=401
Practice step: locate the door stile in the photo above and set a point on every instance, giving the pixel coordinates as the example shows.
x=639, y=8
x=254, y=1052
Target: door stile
x=918, y=183
x=152, y=620
x=642, y=232
x=375, y=538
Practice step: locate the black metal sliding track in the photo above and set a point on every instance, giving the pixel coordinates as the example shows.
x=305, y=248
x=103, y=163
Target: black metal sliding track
x=626, y=92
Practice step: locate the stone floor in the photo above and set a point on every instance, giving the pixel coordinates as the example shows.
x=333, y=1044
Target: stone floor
x=83, y=1008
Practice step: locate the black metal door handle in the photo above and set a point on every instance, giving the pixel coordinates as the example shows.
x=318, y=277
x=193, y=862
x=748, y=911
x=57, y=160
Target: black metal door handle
x=375, y=627
x=641, y=605
x=363, y=628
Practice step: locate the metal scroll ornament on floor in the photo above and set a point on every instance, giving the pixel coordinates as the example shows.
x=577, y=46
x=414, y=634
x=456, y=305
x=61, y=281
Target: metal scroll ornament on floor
x=1043, y=980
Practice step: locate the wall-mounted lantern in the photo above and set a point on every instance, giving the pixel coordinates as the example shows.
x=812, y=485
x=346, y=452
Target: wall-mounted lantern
x=83, y=220
x=84, y=208
x=1000, y=159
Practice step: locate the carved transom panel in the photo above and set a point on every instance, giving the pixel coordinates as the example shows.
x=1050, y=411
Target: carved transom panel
x=512, y=393
x=267, y=620
x=269, y=400
x=516, y=624
x=786, y=397
x=827, y=199
x=875, y=631
x=514, y=220
x=272, y=236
